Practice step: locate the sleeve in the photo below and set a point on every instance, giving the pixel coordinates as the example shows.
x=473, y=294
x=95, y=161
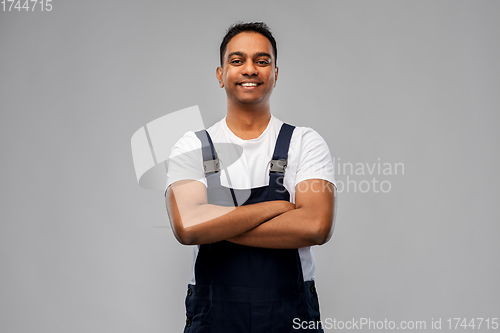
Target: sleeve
x=185, y=161
x=315, y=160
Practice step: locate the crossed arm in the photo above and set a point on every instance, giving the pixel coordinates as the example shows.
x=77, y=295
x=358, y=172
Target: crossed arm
x=271, y=224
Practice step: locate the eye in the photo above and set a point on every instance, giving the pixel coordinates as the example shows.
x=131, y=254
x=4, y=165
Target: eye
x=263, y=62
x=236, y=61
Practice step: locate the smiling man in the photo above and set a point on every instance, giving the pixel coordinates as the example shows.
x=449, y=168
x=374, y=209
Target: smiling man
x=253, y=219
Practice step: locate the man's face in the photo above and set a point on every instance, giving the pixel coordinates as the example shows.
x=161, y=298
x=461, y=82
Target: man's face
x=248, y=72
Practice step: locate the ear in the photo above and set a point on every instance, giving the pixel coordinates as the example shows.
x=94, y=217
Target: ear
x=218, y=74
x=275, y=76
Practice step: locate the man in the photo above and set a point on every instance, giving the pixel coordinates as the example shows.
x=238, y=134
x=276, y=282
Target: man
x=253, y=207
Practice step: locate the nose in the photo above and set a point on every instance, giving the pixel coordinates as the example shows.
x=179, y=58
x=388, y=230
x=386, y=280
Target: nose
x=249, y=68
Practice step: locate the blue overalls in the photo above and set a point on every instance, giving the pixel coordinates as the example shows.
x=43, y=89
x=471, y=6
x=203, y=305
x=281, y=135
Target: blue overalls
x=243, y=289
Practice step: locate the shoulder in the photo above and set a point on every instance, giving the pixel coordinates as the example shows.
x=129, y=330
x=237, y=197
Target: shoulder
x=300, y=133
x=308, y=139
x=303, y=138
x=311, y=156
x=309, y=148
x=216, y=131
x=190, y=141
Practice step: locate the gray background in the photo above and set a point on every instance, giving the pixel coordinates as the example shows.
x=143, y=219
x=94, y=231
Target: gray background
x=84, y=249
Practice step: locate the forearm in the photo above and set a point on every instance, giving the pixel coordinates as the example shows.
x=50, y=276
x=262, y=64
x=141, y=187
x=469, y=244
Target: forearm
x=208, y=223
x=311, y=223
x=290, y=230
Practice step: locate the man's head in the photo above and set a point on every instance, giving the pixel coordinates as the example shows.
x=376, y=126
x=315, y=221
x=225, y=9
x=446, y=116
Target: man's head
x=248, y=69
x=258, y=27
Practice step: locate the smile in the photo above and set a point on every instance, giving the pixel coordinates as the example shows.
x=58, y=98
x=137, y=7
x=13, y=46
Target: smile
x=249, y=84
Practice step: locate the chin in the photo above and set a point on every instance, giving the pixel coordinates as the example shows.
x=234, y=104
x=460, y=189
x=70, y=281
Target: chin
x=250, y=102
x=251, y=99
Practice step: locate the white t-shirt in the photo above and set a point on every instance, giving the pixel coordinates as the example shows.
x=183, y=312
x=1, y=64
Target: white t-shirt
x=245, y=164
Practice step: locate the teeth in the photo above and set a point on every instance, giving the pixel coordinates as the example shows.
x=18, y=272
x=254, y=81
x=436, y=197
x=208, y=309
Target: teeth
x=249, y=84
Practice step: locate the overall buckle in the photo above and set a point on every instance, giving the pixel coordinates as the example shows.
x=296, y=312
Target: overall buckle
x=211, y=166
x=278, y=166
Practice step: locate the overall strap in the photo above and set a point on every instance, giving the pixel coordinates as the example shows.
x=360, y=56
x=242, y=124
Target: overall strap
x=280, y=155
x=211, y=165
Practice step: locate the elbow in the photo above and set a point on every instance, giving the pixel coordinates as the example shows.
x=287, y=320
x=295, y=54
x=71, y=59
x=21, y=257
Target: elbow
x=184, y=240
x=322, y=233
x=320, y=238
x=185, y=236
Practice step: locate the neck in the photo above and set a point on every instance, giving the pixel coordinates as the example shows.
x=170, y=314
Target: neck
x=247, y=121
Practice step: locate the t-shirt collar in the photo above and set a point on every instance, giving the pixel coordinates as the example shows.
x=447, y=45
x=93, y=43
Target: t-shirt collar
x=234, y=137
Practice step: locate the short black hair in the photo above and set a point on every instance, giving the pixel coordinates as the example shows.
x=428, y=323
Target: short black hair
x=239, y=27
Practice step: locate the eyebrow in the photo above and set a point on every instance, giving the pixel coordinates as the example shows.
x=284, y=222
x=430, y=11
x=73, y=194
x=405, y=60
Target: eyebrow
x=241, y=54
